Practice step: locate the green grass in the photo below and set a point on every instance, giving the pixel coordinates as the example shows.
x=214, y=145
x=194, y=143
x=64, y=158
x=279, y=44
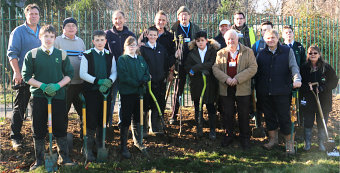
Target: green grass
x=226, y=160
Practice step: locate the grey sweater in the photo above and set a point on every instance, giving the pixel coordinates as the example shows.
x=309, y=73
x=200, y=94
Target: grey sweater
x=74, y=48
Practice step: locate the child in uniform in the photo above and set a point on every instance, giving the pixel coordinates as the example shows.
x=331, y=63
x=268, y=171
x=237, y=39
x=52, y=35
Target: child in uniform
x=133, y=74
x=48, y=70
x=200, y=60
x=98, y=70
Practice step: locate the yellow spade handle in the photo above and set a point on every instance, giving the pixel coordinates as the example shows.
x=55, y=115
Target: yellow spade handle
x=141, y=111
x=49, y=109
x=104, y=113
x=84, y=121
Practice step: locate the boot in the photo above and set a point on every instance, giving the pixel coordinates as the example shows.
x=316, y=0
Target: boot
x=308, y=137
x=62, y=148
x=322, y=139
x=136, y=132
x=123, y=142
x=155, y=123
x=212, y=125
x=90, y=142
x=273, y=139
x=39, y=150
x=199, y=127
x=289, y=145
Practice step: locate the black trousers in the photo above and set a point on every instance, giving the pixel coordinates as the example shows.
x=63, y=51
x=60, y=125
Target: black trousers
x=94, y=109
x=309, y=118
x=40, y=117
x=159, y=90
x=242, y=107
x=181, y=83
x=276, y=111
x=72, y=96
x=129, y=109
x=23, y=95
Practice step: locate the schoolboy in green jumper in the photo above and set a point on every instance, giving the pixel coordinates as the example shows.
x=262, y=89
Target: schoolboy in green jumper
x=98, y=70
x=48, y=70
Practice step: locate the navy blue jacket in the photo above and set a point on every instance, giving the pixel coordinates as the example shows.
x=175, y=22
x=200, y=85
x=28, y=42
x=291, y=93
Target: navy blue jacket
x=273, y=74
x=116, y=39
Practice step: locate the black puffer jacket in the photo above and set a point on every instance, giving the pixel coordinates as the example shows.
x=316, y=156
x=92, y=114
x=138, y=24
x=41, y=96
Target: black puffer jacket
x=327, y=79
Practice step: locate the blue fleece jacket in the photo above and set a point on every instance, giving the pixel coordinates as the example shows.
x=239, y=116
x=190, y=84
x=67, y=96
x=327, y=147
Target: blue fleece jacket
x=22, y=40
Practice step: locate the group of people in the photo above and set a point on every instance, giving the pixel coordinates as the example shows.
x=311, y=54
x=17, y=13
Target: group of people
x=226, y=68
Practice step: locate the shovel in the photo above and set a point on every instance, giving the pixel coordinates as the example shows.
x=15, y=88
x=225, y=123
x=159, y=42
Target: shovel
x=159, y=111
x=50, y=158
x=82, y=98
x=200, y=111
x=293, y=117
x=103, y=152
x=330, y=144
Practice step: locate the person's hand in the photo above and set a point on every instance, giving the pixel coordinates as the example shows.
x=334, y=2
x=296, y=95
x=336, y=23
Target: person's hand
x=107, y=83
x=229, y=81
x=234, y=82
x=43, y=87
x=178, y=53
x=52, y=94
x=100, y=81
x=103, y=89
x=17, y=78
x=297, y=84
x=51, y=88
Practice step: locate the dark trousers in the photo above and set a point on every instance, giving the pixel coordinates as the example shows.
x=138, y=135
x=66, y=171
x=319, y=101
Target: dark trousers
x=158, y=89
x=309, y=118
x=129, y=109
x=94, y=109
x=72, y=96
x=211, y=111
x=40, y=117
x=181, y=83
x=276, y=111
x=23, y=95
x=242, y=107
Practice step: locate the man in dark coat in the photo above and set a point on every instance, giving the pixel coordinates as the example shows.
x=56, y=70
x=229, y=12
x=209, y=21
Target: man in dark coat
x=224, y=26
x=115, y=44
x=277, y=69
x=187, y=29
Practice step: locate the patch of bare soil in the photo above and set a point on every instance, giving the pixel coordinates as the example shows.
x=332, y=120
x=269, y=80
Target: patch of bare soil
x=158, y=146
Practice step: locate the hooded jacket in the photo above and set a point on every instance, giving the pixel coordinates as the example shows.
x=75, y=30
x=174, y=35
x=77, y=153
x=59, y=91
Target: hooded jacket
x=195, y=64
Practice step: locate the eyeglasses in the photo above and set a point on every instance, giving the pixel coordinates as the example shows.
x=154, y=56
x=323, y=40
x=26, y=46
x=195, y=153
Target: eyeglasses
x=133, y=45
x=313, y=53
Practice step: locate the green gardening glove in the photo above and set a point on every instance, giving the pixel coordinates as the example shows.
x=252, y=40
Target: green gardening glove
x=103, y=89
x=51, y=88
x=43, y=87
x=100, y=82
x=107, y=83
x=52, y=94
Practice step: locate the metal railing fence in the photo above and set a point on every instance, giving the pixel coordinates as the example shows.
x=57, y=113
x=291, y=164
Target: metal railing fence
x=320, y=31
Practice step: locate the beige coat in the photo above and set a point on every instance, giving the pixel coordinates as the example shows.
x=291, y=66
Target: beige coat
x=246, y=69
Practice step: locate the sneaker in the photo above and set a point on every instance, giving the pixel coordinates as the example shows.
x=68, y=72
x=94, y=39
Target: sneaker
x=16, y=144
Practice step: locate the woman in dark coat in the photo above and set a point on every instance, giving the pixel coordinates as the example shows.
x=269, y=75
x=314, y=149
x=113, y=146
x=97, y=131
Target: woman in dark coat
x=316, y=70
x=200, y=60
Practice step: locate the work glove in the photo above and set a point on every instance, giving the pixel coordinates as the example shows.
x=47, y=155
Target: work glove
x=206, y=72
x=51, y=88
x=43, y=87
x=103, y=89
x=106, y=82
x=52, y=94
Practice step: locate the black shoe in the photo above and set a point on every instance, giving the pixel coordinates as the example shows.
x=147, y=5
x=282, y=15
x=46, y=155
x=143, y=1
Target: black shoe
x=227, y=140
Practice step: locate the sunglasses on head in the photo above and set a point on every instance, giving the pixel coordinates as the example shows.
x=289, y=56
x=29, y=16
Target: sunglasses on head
x=313, y=53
